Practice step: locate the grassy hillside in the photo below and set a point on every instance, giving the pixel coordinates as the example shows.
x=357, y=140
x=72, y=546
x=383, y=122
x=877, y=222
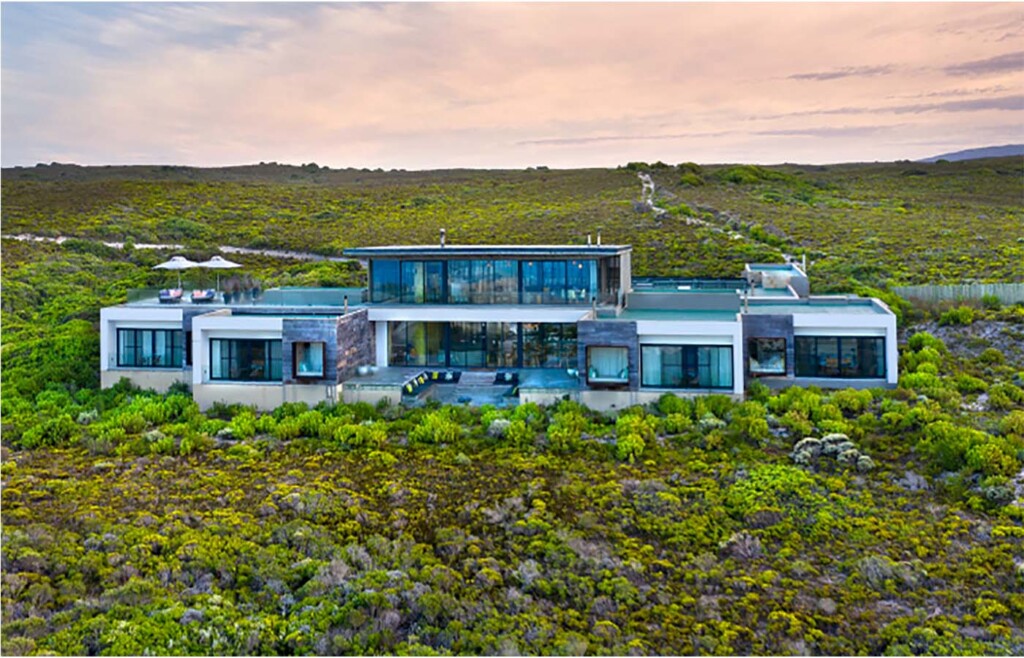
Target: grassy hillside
x=134, y=524
x=897, y=223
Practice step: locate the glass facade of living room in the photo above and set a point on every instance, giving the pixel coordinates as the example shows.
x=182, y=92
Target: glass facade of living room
x=495, y=281
x=482, y=344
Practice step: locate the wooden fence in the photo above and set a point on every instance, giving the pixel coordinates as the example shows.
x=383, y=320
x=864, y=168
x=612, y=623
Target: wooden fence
x=1008, y=293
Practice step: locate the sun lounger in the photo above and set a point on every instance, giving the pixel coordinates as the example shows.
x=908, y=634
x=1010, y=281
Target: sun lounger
x=203, y=296
x=170, y=295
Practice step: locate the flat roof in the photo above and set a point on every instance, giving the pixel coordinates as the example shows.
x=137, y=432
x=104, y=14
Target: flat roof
x=477, y=250
x=675, y=315
x=775, y=267
x=856, y=306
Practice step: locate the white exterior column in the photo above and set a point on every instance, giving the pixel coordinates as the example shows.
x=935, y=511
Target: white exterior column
x=892, y=353
x=738, y=380
x=381, y=343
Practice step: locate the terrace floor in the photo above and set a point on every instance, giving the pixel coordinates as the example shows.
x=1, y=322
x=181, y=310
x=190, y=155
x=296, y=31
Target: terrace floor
x=475, y=387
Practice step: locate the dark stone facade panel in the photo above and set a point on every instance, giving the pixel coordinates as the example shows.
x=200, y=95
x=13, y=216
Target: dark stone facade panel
x=608, y=334
x=356, y=343
x=309, y=330
x=769, y=326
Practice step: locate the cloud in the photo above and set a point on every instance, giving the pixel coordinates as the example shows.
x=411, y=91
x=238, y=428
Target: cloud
x=845, y=72
x=564, y=141
x=830, y=131
x=1007, y=63
x=490, y=84
x=1000, y=103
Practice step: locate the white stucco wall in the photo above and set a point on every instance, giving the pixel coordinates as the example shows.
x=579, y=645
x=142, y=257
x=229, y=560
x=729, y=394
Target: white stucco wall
x=221, y=324
x=371, y=395
x=660, y=332
x=855, y=324
x=158, y=380
x=265, y=397
x=113, y=318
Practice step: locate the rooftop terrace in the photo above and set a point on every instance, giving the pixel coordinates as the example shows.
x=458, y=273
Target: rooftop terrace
x=476, y=251
x=825, y=305
x=275, y=298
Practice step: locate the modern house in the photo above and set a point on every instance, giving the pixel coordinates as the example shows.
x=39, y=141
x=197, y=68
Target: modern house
x=526, y=323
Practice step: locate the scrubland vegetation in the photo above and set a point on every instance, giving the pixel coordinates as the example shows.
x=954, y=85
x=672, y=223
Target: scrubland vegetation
x=799, y=522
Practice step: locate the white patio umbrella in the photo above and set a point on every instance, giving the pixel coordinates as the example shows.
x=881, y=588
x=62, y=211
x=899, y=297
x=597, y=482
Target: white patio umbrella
x=218, y=263
x=178, y=263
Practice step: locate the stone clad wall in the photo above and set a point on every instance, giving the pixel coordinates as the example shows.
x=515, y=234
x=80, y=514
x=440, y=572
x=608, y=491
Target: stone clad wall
x=769, y=326
x=608, y=334
x=309, y=330
x=356, y=343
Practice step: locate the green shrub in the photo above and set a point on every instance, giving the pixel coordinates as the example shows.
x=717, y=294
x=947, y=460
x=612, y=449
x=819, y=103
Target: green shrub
x=287, y=429
x=1002, y=397
x=773, y=486
x=520, y=434
x=967, y=384
x=797, y=423
x=991, y=356
x=632, y=432
x=961, y=316
x=991, y=302
x=795, y=398
x=51, y=432
x=923, y=339
x=133, y=422
x=435, y=428
x=676, y=423
x=1013, y=424
x=748, y=421
x=993, y=457
x=851, y=401
x=566, y=429
x=670, y=403
x=921, y=381
x=243, y=425
x=759, y=391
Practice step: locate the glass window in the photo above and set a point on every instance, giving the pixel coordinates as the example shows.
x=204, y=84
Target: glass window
x=434, y=274
x=609, y=279
x=309, y=359
x=416, y=343
x=581, y=285
x=608, y=364
x=384, y=276
x=686, y=366
x=468, y=344
x=554, y=281
x=549, y=345
x=481, y=276
x=413, y=283
x=533, y=283
x=150, y=348
x=245, y=360
x=840, y=357
x=502, y=345
x=460, y=281
x=506, y=282
x=767, y=356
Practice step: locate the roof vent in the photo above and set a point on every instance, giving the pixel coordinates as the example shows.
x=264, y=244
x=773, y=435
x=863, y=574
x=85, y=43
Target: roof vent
x=599, y=238
x=442, y=237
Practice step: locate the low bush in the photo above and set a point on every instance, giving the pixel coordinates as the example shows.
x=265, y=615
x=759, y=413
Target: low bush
x=436, y=427
x=960, y=316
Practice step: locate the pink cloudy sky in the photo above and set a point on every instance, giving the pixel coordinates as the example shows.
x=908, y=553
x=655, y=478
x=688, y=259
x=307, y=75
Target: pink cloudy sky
x=507, y=85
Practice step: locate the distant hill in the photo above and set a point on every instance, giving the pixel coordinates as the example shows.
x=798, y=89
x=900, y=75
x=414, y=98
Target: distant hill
x=975, y=154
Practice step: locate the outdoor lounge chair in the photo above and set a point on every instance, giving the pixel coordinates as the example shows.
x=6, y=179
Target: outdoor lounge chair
x=170, y=295
x=203, y=296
